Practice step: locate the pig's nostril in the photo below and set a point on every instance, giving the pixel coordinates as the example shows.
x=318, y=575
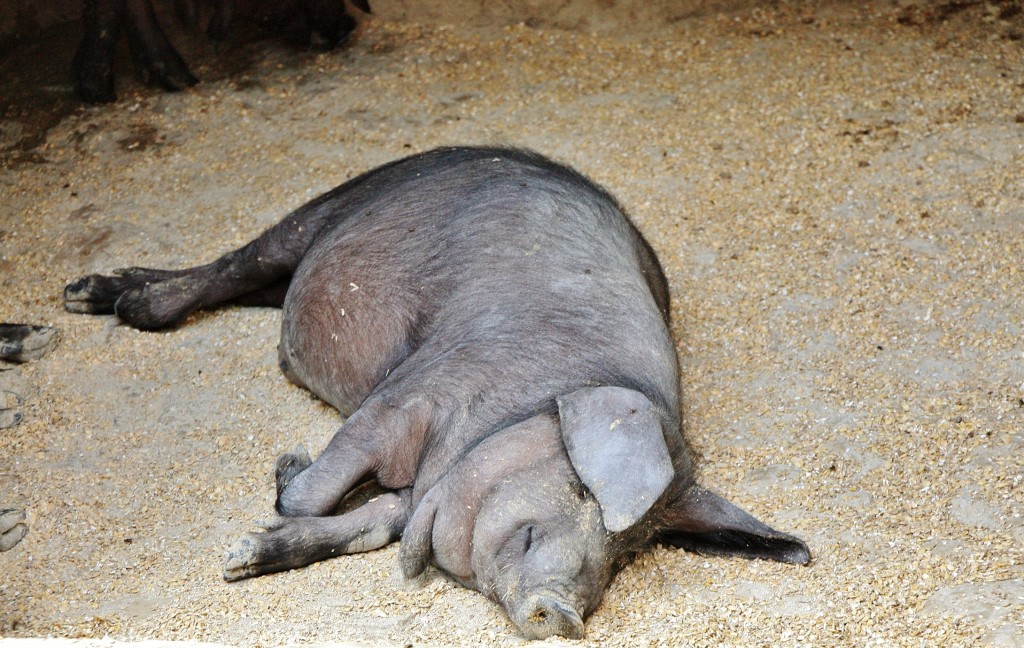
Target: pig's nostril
x=549, y=617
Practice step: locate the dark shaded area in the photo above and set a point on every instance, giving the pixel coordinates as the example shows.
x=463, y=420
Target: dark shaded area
x=1005, y=15
x=323, y=24
x=34, y=75
x=36, y=72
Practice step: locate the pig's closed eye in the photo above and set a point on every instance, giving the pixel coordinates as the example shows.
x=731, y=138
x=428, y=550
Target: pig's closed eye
x=528, y=538
x=519, y=542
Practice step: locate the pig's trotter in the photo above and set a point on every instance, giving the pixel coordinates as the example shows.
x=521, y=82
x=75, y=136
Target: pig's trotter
x=300, y=541
x=9, y=414
x=12, y=528
x=289, y=465
x=157, y=305
x=94, y=294
x=97, y=294
x=141, y=297
x=241, y=557
x=25, y=342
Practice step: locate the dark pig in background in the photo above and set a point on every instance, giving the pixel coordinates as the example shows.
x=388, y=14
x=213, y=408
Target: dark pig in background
x=496, y=331
x=156, y=60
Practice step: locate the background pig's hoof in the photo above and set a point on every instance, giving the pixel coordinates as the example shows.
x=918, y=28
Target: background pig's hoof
x=12, y=527
x=9, y=415
x=93, y=75
x=24, y=342
x=289, y=465
x=240, y=559
x=162, y=65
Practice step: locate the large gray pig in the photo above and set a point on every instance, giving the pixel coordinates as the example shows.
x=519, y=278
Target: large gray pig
x=496, y=331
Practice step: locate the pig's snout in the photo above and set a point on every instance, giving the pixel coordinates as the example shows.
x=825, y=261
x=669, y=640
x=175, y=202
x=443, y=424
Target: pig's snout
x=542, y=616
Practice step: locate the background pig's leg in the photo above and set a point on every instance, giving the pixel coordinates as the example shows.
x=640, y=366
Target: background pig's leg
x=155, y=58
x=223, y=11
x=187, y=12
x=384, y=436
x=93, y=67
x=330, y=22
x=299, y=541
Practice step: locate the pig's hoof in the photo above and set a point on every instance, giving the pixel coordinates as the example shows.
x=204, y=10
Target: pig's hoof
x=9, y=415
x=24, y=342
x=94, y=294
x=242, y=558
x=98, y=294
x=151, y=307
x=12, y=528
x=289, y=465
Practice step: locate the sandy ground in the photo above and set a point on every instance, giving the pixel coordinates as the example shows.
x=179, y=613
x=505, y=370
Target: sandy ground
x=836, y=192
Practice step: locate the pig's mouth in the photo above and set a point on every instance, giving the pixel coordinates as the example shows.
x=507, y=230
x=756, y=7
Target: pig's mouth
x=541, y=616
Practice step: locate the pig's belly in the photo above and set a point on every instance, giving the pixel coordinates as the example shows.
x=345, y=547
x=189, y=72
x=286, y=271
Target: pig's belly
x=343, y=332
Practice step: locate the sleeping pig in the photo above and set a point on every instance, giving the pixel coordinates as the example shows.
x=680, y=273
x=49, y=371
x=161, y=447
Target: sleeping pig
x=496, y=332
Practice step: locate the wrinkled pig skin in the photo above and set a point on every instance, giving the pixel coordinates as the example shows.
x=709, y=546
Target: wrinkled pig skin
x=156, y=60
x=496, y=331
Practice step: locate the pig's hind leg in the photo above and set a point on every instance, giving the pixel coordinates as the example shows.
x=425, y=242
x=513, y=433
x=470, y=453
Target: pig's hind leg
x=257, y=274
x=296, y=542
x=151, y=299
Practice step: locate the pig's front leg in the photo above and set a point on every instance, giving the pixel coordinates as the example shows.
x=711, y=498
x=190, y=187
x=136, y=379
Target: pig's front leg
x=384, y=437
x=299, y=541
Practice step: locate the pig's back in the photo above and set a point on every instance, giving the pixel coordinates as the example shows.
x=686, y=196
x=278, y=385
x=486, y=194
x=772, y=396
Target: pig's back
x=488, y=255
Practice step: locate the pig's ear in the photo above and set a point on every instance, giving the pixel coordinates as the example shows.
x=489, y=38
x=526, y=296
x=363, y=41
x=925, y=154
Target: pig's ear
x=707, y=523
x=615, y=443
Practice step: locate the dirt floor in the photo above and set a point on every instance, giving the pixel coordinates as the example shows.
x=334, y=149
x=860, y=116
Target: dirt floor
x=836, y=191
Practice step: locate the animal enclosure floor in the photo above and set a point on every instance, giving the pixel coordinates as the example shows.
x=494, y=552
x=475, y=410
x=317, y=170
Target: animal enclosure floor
x=836, y=191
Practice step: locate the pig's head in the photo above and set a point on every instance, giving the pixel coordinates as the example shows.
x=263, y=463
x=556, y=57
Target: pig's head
x=541, y=515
